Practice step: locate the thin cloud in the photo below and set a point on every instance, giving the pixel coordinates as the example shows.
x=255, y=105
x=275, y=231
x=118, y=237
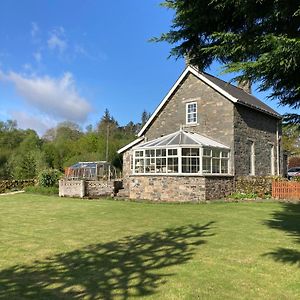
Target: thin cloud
x=55, y=97
x=57, y=40
x=34, y=29
x=39, y=123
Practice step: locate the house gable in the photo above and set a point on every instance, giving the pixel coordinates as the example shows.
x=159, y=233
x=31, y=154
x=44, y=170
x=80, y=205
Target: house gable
x=230, y=92
x=214, y=112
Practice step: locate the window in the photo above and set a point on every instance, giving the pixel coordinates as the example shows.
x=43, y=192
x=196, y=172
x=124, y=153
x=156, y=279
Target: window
x=215, y=161
x=190, y=160
x=272, y=156
x=252, y=158
x=191, y=113
x=181, y=161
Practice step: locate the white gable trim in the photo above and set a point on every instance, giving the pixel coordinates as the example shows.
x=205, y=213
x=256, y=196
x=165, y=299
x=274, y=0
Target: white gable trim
x=128, y=146
x=187, y=70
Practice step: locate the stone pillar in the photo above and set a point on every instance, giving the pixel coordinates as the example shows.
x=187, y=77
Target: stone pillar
x=61, y=192
x=82, y=188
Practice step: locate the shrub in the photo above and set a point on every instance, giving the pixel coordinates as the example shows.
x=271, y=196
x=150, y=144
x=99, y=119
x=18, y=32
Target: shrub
x=296, y=178
x=53, y=190
x=49, y=178
x=243, y=196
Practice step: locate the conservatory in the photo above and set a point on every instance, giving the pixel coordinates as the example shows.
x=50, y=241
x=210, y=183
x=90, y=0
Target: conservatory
x=181, y=153
x=97, y=170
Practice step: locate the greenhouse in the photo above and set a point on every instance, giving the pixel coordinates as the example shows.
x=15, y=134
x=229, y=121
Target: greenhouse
x=98, y=170
x=181, y=153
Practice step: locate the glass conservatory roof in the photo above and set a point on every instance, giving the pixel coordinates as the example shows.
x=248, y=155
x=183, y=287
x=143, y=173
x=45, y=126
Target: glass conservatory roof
x=93, y=164
x=181, y=138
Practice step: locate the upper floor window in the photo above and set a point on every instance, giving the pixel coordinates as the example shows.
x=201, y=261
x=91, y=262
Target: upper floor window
x=191, y=113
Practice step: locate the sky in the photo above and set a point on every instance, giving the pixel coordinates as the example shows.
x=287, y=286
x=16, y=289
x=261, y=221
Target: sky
x=71, y=59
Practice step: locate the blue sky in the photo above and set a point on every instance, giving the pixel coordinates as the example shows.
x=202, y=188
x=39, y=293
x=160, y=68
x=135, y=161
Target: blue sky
x=72, y=59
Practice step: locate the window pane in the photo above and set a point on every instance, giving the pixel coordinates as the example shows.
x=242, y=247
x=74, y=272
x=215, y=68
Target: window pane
x=206, y=165
x=150, y=165
x=172, y=152
x=216, y=153
x=138, y=153
x=225, y=154
x=161, y=165
x=224, y=166
x=190, y=165
x=216, y=165
x=206, y=152
x=186, y=151
x=194, y=151
x=139, y=165
x=172, y=165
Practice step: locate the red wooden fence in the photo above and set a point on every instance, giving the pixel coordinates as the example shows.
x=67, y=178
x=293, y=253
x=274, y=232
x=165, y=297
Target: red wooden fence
x=286, y=190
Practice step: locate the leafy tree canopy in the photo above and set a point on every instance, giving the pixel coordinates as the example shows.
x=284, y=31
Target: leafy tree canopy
x=258, y=39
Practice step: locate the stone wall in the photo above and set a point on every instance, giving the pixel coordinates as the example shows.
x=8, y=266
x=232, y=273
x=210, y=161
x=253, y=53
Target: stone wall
x=217, y=187
x=260, y=128
x=82, y=188
x=96, y=189
x=215, y=113
x=179, y=188
x=71, y=188
x=260, y=185
x=127, y=156
x=15, y=184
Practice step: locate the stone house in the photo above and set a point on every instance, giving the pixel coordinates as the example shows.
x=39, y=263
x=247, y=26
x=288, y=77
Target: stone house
x=201, y=137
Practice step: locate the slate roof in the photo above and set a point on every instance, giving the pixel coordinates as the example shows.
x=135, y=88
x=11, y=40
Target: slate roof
x=242, y=96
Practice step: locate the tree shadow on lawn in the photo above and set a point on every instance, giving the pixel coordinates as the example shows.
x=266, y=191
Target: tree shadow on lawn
x=287, y=220
x=132, y=266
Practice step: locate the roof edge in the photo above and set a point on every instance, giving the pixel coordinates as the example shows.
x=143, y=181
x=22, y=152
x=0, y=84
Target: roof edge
x=130, y=145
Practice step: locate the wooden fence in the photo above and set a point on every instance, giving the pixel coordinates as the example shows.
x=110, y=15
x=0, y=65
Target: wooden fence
x=286, y=190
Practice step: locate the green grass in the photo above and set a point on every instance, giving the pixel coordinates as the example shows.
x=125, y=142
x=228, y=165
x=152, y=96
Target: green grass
x=54, y=248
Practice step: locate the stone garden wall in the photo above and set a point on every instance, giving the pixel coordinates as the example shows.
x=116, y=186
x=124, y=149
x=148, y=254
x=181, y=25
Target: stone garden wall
x=179, y=188
x=90, y=189
x=260, y=185
x=6, y=185
x=218, y=187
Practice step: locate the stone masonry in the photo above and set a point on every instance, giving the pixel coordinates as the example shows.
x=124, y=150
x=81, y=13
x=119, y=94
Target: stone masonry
x=232, y=124
x=82, y=188
x=260, y=128
x=179, y=188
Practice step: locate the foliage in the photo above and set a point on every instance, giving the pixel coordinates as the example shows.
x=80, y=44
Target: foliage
x=294, y=161
x=49, y=178
x=42, y=190
x=258, y=40
x=24, y=155
x=243, y=196
x=291, y=139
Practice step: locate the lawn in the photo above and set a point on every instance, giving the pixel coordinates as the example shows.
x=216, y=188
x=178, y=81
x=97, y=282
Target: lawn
x=52, y=248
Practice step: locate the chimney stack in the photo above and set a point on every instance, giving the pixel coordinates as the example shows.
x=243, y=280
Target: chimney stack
x=245, y=85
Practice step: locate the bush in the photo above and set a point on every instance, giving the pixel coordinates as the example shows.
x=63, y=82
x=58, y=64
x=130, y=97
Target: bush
x=243, y=196
x=53, y=190
x=49, y=178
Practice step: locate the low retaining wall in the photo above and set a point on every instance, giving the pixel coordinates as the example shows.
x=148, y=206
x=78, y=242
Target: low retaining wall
x=179, y=188
x=83, y=188
x=260, y=185
x=15, y=184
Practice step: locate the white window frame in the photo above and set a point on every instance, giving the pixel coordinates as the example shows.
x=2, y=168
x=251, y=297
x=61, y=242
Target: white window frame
x=179, y=161
x=272, y=154
x=252, y=158
x=187, y=113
